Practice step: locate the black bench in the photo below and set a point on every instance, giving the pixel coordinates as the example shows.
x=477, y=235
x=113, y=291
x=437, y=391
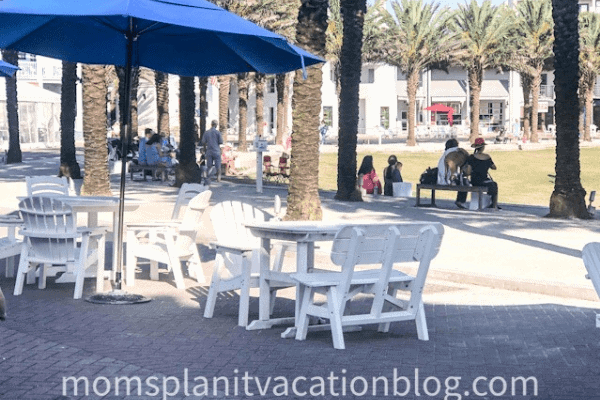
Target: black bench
x=433, y=188
x=154, y=169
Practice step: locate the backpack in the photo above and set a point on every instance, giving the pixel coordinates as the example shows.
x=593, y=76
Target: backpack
x=429, y=177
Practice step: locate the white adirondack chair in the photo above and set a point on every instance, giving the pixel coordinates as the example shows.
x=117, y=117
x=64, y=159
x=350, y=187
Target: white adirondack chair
x=50, y=242
x=384, y=245
x=186, y=193
x=49, y=186
x=237, y=264
x=10, y=246
x=591, y=260
x=168, y=243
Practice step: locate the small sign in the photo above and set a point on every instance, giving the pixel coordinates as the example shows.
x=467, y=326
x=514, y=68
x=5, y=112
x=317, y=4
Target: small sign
x=542, y=106
x=260, y=144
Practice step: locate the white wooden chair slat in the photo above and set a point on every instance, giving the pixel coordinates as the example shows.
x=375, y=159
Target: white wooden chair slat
x=237, y=264
x=50, y=238
x=386, y=245
x=187, y=192
x=169, y=243
x=591, y=259
x=49, y=186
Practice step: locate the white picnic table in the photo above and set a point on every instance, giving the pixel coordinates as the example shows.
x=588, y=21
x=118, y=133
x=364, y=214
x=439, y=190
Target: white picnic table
x=304, y=234
x=92, y=206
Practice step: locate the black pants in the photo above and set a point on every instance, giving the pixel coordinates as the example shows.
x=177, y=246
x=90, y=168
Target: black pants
x=492, y=186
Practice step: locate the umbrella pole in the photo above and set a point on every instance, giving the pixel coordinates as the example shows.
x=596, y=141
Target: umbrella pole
x=117, y=296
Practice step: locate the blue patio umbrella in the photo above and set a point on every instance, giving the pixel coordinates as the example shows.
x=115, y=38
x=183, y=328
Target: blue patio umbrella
x=7, y=70
x=183, y=37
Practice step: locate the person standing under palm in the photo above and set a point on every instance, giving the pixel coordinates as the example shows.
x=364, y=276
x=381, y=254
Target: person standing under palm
x=212, y=141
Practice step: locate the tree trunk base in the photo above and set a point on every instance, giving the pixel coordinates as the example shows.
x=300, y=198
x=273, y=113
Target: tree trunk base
x=568, y=205
x=187, y=173
x=14, y=156
x=308, y=210
x=70, y=171
x=411, y=142
x=355, y=195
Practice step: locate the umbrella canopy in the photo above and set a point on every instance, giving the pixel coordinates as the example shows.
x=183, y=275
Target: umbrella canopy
x=7, y=69
x=443, y=108
x=183, y=37
x=440, y=108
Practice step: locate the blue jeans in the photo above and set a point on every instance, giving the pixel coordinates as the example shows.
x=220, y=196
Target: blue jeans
x=214, y=158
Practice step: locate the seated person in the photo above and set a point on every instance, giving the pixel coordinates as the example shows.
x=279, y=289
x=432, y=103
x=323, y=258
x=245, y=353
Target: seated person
x=451, y=146
x=480, y=164
x=391, y=174
x=142, y=159
x=368, y=176
x=155, y=154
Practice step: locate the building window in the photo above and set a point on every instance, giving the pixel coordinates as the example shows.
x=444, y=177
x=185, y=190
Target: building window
x=271, y=119
x=597, y=4
x=328, y=115
x=399, y=75
x=544, y=79
x=384, y=117
x=271, y=85
x=332, y=75
x=584, y=7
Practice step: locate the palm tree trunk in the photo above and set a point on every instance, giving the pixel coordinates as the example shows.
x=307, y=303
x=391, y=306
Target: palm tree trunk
x=475, y=79
x=243, y=111
x=288, y=87
x=96, y=178
x=350, y=66
x=259, y=81
x=134, y=101
x=589, y=109
x=412, y=86
x=280, y=82
x=161, y=82
x=187, y=169
x=202, y=87
x=68, y=110
x=568, y=198
x=535, y=97
x=224, y=104
x=526, y=83
x=303, y=194
x=12, y=111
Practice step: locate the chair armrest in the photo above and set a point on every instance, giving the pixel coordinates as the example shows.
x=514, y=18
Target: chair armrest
x=230, y=248
x=150, y=225
x=96, y=231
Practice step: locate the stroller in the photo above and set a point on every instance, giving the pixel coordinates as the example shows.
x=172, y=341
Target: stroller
x=501, y=138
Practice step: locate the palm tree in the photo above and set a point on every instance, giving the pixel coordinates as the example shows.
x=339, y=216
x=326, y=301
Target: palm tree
x=350, y=61
x=243, y=83
x=161, y=83
x=224, y=84
x=12, y=111
x=482, y=34
x=259, y=85
x=202, y=88
x=568, y=198
x=335, y=35
x=534, y=34
x=96, y=178
x=68, y=110
x=187, y=170
x=589, y=64
x=418, y=40
x=303, y=195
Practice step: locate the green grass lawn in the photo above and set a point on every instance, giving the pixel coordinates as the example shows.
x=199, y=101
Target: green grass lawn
x=522, y=176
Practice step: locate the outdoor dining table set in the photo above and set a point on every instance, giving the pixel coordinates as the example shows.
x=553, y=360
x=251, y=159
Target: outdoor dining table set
x=365, y=257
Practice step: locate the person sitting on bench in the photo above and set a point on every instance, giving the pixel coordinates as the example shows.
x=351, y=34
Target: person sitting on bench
x=480, y=164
